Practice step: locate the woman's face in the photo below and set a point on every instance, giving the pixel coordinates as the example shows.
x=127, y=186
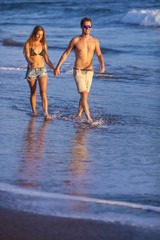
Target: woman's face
x=39, y=35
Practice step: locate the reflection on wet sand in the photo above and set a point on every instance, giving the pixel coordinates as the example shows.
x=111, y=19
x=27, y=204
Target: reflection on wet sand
x=78, y=167
x=32, y=153
x=78, y=163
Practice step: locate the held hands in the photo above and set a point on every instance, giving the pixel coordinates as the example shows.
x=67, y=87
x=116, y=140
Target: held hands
x=56, y=72
x=102, y=69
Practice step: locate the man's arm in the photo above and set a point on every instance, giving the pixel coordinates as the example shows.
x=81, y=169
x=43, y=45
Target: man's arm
x=64, y=56
x=100, y=57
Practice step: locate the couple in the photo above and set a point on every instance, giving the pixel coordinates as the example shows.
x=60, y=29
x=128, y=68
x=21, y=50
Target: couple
x=35, y=51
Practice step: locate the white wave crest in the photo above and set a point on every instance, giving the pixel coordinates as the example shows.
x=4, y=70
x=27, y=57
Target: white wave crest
x=143, y=17
x=13, y=68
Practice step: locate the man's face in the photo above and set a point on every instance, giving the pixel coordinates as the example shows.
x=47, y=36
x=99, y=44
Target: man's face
x=86, y=28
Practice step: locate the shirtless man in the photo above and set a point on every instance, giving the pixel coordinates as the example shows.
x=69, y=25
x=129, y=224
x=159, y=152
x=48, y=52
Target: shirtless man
x=84, y=47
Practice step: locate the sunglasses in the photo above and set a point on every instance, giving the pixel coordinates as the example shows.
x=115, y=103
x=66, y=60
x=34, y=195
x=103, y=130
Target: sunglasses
x=87, y=26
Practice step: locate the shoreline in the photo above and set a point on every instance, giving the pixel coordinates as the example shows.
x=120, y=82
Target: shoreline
x=19, y=225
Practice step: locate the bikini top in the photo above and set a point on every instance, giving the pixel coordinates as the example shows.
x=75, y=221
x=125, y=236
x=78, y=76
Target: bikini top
x=33, y=53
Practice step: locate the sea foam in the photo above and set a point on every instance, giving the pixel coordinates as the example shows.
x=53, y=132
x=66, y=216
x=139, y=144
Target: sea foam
x=143, y=17
x=19, y=191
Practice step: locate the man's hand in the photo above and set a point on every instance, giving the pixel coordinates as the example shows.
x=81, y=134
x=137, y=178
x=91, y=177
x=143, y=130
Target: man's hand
x=102, y=69
x=56, y=72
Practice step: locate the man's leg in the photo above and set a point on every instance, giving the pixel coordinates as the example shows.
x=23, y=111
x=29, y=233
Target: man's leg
x=80, y=109
x=84, y=105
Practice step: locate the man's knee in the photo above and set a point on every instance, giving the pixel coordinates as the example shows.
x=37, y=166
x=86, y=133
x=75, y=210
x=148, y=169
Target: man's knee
x=84, y=95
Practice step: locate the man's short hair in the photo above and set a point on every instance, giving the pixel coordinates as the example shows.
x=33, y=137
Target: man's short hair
x=84, y=20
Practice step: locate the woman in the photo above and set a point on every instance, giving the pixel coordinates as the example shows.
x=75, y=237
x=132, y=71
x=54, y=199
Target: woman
x=35, y=50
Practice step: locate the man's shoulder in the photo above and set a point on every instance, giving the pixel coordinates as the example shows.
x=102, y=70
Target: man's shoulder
x=95, y=39
x=75, y=39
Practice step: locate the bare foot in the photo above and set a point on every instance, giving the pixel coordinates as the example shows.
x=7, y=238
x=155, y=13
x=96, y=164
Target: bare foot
x=79, y=115
x=47, y=118
x=90, y=120
x=34, y=114
x=94, y=123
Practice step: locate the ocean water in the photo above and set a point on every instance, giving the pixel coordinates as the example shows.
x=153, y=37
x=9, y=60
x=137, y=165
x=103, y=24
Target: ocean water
x=66, y=167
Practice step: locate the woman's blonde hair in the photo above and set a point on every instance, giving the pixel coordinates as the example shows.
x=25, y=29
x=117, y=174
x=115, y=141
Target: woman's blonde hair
x=31, y=38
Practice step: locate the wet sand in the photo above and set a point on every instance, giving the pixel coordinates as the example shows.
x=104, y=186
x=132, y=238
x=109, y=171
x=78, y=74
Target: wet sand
x=16, y=225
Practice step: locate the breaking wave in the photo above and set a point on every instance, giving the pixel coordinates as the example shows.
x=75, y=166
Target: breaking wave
x=143, y=17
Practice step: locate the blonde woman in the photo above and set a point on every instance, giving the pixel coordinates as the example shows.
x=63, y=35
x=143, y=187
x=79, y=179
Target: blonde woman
x=35, y=51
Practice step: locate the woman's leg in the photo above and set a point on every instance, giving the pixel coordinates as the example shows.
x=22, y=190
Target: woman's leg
x=33, y=91
x=43, y=88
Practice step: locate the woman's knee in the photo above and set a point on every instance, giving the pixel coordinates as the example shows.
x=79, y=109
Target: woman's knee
x=43, y=94
x=33, y=87
x=33, y=92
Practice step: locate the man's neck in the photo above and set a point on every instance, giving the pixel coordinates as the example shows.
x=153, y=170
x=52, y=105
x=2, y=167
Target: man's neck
x=86, y=36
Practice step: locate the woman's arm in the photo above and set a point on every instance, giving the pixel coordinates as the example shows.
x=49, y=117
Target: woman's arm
x=47, y=60
x=27, y=55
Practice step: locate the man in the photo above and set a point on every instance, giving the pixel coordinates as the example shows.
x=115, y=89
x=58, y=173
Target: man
x=84, y=47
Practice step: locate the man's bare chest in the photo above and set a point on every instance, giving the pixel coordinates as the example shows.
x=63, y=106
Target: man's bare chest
x=85, y=46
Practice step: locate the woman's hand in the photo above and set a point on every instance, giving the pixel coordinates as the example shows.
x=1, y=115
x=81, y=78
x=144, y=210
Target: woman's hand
x=32, y=65
x=56, y=72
